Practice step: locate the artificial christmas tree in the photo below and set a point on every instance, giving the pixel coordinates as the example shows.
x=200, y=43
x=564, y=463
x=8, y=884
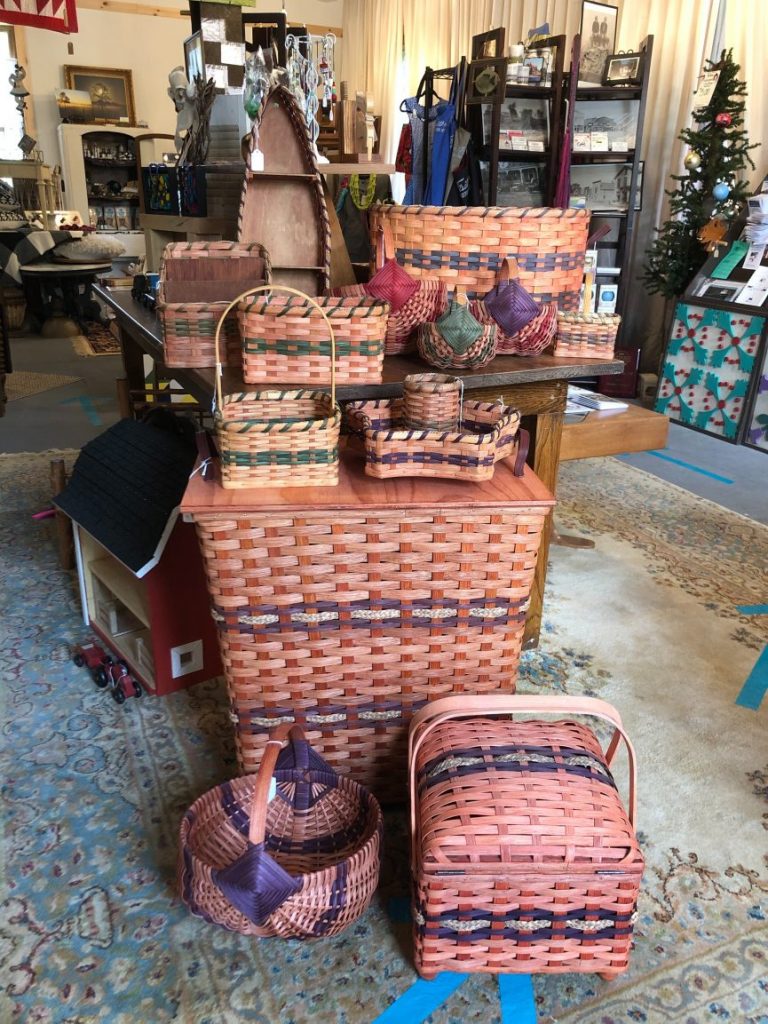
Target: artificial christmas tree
x=711, y=190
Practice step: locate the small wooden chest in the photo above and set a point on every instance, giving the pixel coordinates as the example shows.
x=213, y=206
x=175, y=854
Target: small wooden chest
x=523, y=856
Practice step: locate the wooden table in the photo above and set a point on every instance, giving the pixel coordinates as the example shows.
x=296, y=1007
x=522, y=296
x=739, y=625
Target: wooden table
x=536, y=385
x=60, y=314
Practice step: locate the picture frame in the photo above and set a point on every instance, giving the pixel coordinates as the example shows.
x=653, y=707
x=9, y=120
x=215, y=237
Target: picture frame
x=599, y=24
x=489, y=45
x=74, y=106
x=487, y=80
x=603, y=187
x=720, y=291
x=624, y=69
x=194, y=57
x=110, y=89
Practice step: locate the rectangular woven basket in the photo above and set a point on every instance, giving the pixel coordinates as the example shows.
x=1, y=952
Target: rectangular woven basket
x=348, y=611
x=197, y=280
x=465, y=246
x=586, y=335
x=285, y=340
x=489, y=432
x=523, y=856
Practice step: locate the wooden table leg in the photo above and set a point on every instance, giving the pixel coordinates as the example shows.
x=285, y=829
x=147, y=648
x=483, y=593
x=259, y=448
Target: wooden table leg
x=542, y=404
x=133, y=365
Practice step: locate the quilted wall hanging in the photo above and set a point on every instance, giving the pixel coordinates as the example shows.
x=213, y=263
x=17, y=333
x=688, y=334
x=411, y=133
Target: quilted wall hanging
x=708, y=365
x=757, y=430
x=57, y=15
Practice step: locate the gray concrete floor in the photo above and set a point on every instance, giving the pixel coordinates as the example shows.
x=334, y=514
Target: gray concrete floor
x=69, y=416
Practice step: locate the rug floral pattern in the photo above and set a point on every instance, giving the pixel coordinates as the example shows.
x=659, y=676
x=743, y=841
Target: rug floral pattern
x=90, y=925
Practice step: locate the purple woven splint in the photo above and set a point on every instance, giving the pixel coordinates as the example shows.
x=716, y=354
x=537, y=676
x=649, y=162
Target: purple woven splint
x=255, y=884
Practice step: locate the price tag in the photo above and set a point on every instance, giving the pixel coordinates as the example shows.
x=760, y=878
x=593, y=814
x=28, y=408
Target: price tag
x=257, y=160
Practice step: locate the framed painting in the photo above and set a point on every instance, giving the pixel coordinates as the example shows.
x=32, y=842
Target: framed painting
x=488, y=45
x=110, y=89
x=598, y=39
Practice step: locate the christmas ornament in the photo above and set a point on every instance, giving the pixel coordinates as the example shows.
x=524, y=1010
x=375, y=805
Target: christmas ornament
x=713, y=233
x=692, y=160
x=723, y=119
x=727, y=143
x=721, y=191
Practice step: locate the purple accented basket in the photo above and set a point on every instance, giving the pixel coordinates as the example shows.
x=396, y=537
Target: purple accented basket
x=301, y=865
x=508, y=302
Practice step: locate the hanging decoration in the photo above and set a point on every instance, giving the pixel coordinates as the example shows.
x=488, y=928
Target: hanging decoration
x=56, y=15
x=724, y=119
x=721, y=191
x=309, y=61
x=362, y=202
x=692, y=160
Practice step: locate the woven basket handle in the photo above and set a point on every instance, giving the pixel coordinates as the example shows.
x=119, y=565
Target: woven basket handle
x=508, y=271
x=385, y=245
x=447, y=708
x=271, y=288
x=258, y=826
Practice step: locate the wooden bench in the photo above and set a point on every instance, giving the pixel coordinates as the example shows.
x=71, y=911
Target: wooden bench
x=614, y=433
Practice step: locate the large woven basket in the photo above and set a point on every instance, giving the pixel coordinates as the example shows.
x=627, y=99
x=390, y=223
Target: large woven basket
x=586, y=335
x=285, y=339
x=464, y=247
x=197, y=280
x=488, y=433
x=278, y=438
x=523, y=856
x=303, y=865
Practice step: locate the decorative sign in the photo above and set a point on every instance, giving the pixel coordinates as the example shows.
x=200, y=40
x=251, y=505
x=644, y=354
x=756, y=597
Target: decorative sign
x=56, y=15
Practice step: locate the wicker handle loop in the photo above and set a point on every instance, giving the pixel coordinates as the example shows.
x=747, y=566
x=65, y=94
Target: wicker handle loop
x=385, y=245
x=447, y=708
x=508, y=271
x=272, y=288
x=258, y=826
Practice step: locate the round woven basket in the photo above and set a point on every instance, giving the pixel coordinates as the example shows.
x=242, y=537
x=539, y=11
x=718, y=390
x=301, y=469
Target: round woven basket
x=301, y=865
x=432, y=401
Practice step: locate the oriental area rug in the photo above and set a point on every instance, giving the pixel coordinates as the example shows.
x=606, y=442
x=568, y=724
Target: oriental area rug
x=91, y=928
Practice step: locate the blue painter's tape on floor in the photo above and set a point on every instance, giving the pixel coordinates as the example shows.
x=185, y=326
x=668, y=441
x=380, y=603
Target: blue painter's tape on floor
x=752, y=609
x=517, y=1002
x=88, y=407
x=753, y=691
x=693, y=469
x=421, y=999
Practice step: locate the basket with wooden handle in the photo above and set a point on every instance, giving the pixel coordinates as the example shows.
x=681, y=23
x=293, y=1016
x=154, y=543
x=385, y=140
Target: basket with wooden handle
x=278, y=438
x=526, y=816
x=302, y=865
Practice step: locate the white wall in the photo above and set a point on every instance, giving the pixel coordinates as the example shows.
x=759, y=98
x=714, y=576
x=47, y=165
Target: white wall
x=149, y=46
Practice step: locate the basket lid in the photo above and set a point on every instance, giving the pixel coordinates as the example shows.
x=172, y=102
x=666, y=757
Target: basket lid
x=522, y=797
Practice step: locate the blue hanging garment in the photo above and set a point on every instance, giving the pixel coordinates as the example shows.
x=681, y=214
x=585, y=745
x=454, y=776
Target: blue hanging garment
x=442, y=126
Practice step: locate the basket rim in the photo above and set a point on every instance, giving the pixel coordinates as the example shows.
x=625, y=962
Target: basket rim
x=495, y=212
x=319, y=422
x=489, y=437
x=333, y=305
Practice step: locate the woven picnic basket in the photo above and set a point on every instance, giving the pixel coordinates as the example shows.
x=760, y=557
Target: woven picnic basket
x=464, y=247
x=457, y=340
x=586, y=335
x=413, y=299
x=302, y=865
x=487, y=433
x=197, y=280
x=285, y=339
x=278, y=438
x=431, y=401
x=525, y=816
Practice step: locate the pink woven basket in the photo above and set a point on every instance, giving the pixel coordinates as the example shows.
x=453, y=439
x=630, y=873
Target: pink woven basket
x=532, y=340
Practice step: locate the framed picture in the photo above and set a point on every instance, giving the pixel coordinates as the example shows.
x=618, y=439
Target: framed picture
x=110, y=90
x=194, y=61
x=524, y=121
x=488, y=45
x=75, y=107
x=598, y=39
x=722, y=291
x=487, y=80
x=603, y=187
x=615, y=118
x=623, y=69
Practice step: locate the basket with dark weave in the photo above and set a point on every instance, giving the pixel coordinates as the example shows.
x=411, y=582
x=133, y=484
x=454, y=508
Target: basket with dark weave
x=303, y=865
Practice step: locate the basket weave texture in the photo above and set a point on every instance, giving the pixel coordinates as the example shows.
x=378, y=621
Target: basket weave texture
x=531, y=340
x=525, y=816
x=278, y=438
x=464, y=247
x=431, y=401
x=488, y=433
x=586, y=335
x=285, y=339
x=471, y=349
x=303, y=865
x=222, y=269
x=348, y=621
